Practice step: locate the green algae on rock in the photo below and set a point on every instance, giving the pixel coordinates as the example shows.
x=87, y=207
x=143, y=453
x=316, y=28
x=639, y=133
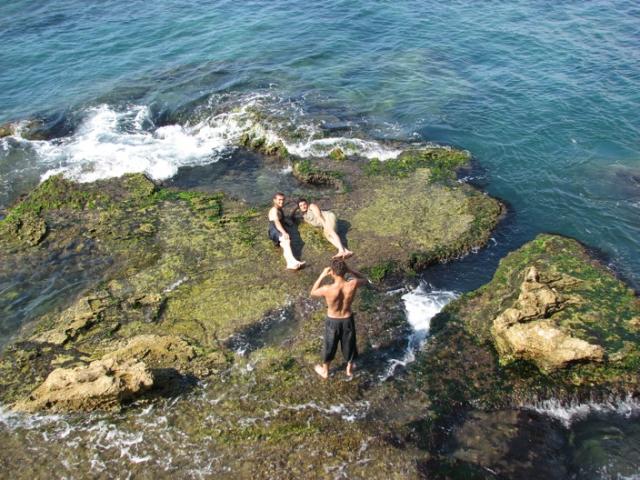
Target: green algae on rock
x=306, y=172
x=199, y=266
x=570, y=300
x=574, y=324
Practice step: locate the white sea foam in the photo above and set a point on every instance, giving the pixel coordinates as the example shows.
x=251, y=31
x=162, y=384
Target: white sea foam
x=567, y=413
x=421, y=305
x=349, y=413
x=350, y=146
x=175, y=285
x=110, y=142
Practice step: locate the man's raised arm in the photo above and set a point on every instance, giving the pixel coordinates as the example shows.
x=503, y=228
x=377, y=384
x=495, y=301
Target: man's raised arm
x=359, y=277
x=317, y=290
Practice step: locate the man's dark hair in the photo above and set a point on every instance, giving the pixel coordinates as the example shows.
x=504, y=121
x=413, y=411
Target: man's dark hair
x=278, y=194
x=302, y=199
x=338, y=267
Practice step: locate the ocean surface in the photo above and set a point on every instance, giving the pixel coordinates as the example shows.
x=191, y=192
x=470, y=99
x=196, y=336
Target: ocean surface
x=545, y=95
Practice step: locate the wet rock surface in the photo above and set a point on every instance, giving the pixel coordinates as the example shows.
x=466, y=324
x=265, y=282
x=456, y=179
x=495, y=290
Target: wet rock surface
x=103, y=384
x=193, y=280
x=199, y=266
x=553, y=321
x=527, y=330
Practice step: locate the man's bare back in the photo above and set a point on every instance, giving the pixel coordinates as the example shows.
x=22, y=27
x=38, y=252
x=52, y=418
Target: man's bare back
x=339, y=297
x=339, y=324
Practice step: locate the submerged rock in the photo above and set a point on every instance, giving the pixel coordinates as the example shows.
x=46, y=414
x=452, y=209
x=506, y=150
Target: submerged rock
x=103, y=384
x=6, y=130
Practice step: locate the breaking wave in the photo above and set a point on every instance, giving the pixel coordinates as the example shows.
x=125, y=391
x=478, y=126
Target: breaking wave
x=109, y=141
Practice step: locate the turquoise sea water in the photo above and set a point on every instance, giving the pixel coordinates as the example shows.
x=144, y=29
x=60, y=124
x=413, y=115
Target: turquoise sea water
x=545, y=95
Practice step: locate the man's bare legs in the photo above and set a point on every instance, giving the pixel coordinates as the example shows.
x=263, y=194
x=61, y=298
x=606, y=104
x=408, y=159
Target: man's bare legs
x=334, y=239
x=287, y=252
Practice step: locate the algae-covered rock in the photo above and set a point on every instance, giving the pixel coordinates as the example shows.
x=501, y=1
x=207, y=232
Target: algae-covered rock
x=198, y=268
x=307, y=172
x=28, y=228
x=337, y=154
x=73, y=321
x=525, y=331
x=6, y=130
x=103, y=384
x=416, y=222
x=553, y=324
x=155, y=350
x=552, y=306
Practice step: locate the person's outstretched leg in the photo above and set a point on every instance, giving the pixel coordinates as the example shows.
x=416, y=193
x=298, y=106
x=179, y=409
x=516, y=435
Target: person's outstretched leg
x=332, y=333
x=335, y=240
x=292, y=261
x=349, y=345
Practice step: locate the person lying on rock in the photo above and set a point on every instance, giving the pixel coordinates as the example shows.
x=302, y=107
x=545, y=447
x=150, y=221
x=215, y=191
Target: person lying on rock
x=339, y=326
x=326, y=220
x=279, y=235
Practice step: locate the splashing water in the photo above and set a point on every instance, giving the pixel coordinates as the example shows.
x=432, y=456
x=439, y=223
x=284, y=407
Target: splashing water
x=421, y=305
x=568, y=413
x=111, y=142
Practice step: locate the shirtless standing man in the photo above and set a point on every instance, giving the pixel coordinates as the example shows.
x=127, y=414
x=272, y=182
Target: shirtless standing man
x=339, y=325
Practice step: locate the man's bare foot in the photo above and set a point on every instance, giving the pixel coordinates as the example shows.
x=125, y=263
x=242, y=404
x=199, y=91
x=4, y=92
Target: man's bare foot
x=297, y=266
x=321, y=371
x=347, y=254
x=350, y=367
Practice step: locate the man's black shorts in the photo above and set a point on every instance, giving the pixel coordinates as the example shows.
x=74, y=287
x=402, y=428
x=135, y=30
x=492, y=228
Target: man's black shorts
x=341, y=330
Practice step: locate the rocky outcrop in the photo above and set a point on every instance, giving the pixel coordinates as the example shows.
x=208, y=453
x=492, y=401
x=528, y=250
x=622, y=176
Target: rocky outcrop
x=6, y=130
x=545, y=345
x=78, y=318
x=525, y=331
x=554, y=319
x=116, y=378
x=179, y=263
x=155, y=350
x=103, y=384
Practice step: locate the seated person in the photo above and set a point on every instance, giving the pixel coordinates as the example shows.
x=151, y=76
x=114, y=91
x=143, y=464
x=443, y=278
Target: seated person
x=279, y=235
x=327, y=221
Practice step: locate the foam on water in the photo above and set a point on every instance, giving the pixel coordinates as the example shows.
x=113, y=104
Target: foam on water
x=350, y=146
x=567, y=413
x=421, y=305
x=111, y=142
